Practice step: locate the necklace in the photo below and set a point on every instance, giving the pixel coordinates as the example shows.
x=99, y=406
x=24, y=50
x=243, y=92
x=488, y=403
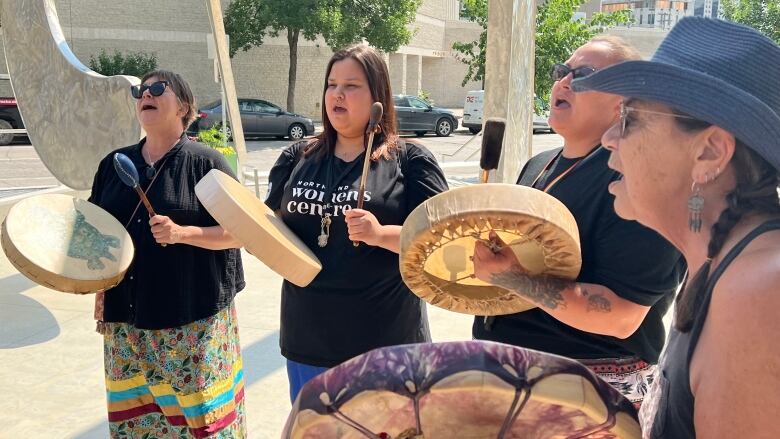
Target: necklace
x=151, y=171
x=325, y=215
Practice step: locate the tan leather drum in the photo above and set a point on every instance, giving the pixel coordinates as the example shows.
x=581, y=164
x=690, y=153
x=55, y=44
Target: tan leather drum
x=438, y=237
x=250, y=221
x=66, y=244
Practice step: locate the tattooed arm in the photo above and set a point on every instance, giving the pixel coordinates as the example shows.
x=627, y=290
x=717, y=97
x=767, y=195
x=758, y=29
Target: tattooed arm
x=587, y=307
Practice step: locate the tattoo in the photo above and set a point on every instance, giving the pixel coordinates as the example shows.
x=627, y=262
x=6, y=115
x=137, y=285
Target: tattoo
x=597, y=302
x=544, y=290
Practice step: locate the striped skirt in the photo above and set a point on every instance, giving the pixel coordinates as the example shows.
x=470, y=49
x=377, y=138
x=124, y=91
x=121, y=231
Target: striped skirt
x=184, y=382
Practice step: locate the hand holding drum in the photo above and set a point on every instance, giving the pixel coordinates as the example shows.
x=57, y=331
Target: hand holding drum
x=507, y=223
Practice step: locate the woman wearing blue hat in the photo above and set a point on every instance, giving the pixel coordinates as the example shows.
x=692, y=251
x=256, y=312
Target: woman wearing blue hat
x=698, y=143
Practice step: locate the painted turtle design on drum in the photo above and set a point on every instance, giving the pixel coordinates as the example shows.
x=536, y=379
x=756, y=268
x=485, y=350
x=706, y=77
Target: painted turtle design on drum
x=89, y=244
x=473, y=389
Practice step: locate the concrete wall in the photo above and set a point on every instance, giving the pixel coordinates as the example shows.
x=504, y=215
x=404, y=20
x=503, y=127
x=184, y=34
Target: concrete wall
x=428, y=34
x=262, y=72
x=590, y=7
x=646, y=40
x=443, y=77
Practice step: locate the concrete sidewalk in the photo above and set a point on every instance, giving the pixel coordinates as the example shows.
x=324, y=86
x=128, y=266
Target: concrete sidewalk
x=51, y=358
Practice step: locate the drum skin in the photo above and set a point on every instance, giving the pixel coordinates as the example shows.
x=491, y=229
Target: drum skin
x=438, y=238
x=467, y=389
x=66, y=244
x=254, y=224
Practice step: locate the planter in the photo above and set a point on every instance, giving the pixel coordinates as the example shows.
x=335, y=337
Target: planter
x=232, y=160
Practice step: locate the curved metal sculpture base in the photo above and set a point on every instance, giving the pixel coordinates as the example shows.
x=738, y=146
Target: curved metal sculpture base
x=74, y=116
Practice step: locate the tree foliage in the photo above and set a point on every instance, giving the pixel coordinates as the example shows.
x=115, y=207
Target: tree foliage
x=762, y=15
x=132, y=64
x=381, y=23
x=557, y=36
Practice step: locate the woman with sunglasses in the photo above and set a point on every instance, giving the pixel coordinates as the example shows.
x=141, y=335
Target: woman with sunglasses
x=358, y=301
x=171, y=349
x=698, y=142
x=610, y=318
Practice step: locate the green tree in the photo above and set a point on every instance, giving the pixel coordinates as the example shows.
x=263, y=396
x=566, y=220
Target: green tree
x=132, y=63
x=382, y=23
x=557, y=36
x=762, y=15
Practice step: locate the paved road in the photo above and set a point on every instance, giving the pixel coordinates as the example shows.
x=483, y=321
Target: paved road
x=21, y=169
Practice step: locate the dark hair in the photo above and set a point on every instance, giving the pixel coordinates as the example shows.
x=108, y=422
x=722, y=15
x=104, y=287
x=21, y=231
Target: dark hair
x=755, y=192
x=180, y=88
x=379, y=83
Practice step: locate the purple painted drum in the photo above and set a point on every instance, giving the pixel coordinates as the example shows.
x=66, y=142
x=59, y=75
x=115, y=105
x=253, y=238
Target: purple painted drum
x=471, y=389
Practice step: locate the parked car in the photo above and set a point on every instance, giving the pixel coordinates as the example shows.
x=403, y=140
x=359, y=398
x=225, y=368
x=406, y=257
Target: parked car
x=259, y=119
x=472, y=113
x=540, y=119
x=415, y=115
x=9, y=119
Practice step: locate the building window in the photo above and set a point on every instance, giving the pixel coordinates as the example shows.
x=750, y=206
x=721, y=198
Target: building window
x=651, y=19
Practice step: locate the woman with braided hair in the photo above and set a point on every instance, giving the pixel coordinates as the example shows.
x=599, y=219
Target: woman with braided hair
x=698, y=143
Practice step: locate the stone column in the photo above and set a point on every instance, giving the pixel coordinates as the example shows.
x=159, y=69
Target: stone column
x=509, y=80
x=398, y=73
x=414, y=74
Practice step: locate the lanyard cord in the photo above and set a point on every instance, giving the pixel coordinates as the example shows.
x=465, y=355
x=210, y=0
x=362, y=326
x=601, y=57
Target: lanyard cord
x=330, y=189
x=563, y=174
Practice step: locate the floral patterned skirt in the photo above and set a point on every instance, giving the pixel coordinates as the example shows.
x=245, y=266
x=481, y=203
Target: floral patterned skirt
x=630, y=376
x=184, y=382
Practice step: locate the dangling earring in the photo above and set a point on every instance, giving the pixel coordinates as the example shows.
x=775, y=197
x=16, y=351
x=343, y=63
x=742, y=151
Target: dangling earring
x=695, y=205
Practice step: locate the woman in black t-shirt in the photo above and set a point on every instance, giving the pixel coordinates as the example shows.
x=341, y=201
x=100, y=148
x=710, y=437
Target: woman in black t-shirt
x=171, y=349
x=358, y=301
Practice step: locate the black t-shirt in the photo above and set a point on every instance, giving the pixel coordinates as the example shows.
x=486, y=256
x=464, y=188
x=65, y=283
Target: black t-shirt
x=358, y=301
x=633, y=261
x=167, y=287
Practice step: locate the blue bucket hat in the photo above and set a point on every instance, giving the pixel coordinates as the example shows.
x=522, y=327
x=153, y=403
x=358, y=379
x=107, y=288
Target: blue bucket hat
x=713, y=70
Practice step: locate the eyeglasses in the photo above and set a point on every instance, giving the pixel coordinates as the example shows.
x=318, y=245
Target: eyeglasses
x=155, y=89
x=560, y=71
x=624, y=110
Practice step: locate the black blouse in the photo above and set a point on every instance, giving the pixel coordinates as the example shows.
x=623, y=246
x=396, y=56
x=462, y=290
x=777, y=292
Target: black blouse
x=170, y=286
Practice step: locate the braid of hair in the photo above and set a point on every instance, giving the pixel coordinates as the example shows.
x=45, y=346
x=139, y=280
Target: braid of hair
x=755, y=192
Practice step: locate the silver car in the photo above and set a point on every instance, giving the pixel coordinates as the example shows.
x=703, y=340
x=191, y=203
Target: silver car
x=259, y=118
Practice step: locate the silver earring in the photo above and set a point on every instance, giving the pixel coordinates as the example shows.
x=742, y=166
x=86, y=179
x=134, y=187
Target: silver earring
x=695, y=206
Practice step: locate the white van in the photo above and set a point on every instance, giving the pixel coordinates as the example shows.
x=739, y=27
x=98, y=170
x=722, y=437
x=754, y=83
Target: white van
x=472, y=113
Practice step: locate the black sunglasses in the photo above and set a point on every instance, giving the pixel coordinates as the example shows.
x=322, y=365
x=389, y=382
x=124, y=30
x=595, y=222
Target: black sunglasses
x=155, y=89
x=560, y=71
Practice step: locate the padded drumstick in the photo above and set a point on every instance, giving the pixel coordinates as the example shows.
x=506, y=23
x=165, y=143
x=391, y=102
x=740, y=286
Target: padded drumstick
x=373, y=121
x=492, y=140
x=127, y=172
x=375, y=118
